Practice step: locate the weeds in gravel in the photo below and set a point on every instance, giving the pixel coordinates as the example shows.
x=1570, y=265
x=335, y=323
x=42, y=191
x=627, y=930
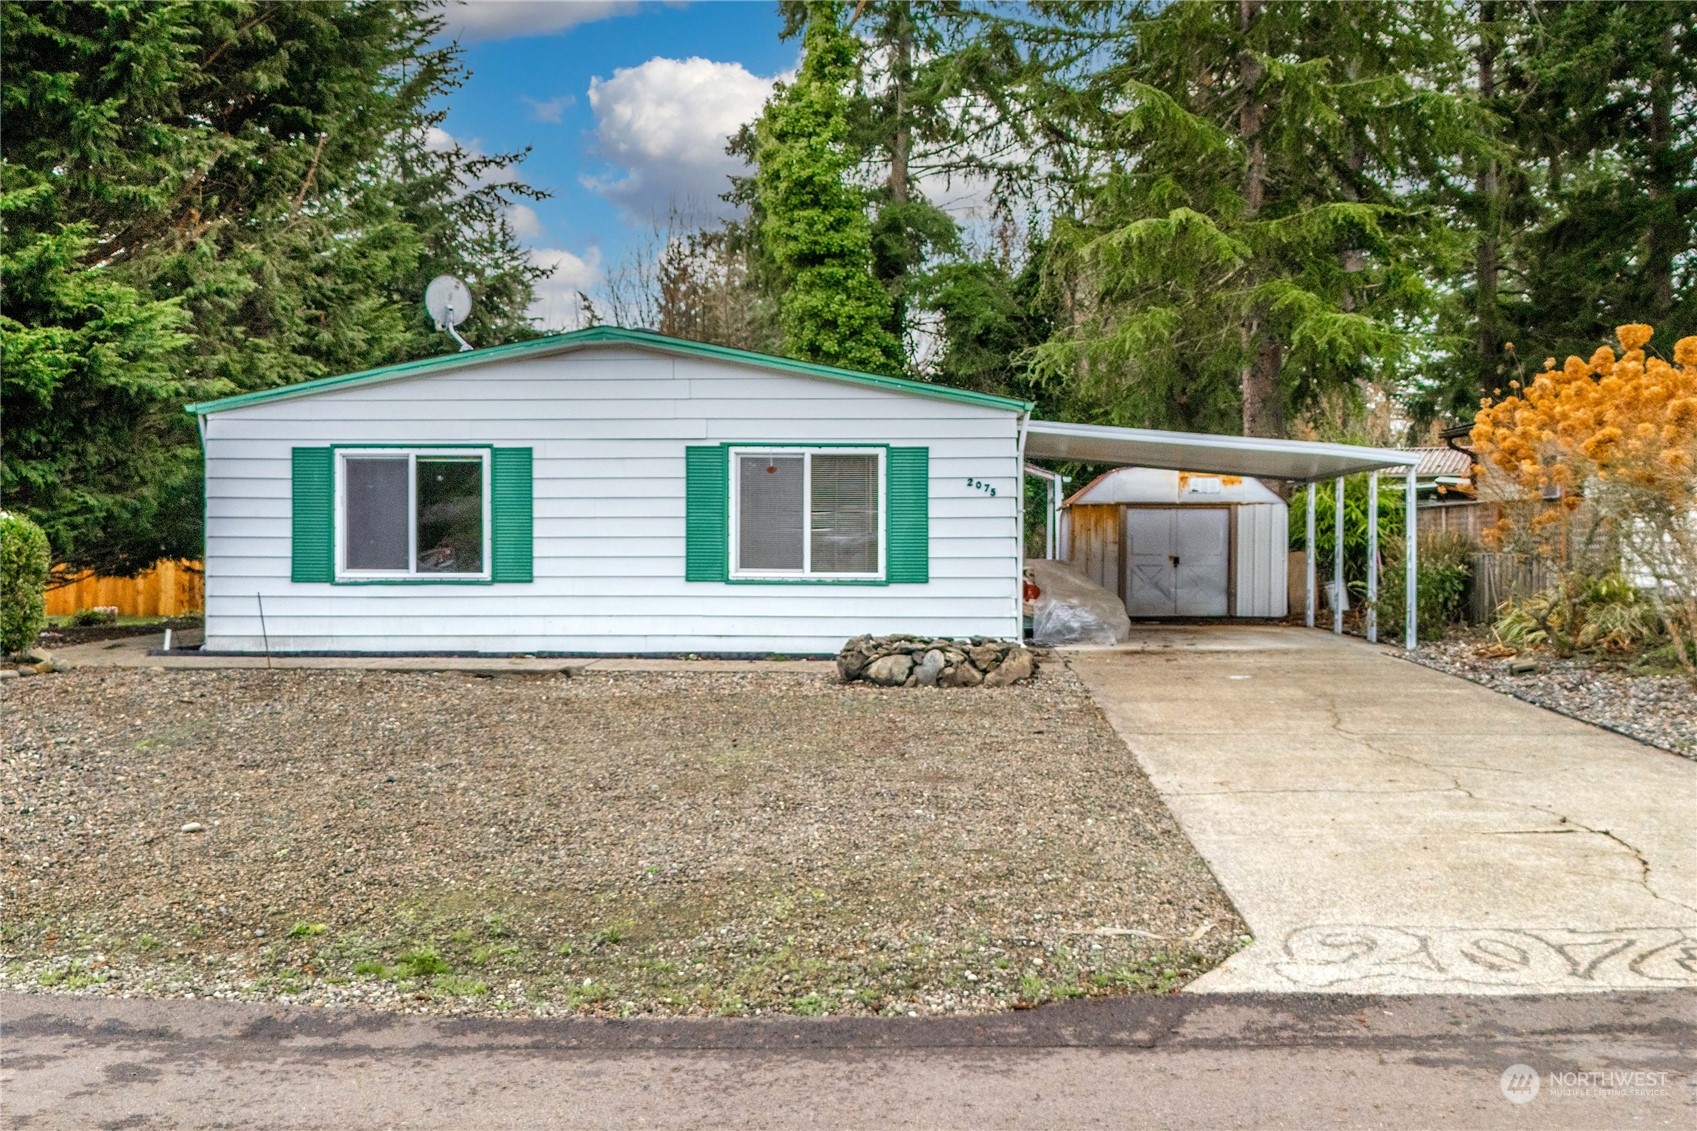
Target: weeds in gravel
x=458, y=985
x=643, y=844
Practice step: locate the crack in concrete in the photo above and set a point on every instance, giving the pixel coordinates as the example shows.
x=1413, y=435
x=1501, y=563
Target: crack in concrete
x=1638, y=856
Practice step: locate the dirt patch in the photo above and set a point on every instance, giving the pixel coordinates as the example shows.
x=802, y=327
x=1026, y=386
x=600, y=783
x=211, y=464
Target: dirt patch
x=611, y=843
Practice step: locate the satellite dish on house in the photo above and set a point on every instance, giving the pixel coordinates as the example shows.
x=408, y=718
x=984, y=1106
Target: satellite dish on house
x=449, y=302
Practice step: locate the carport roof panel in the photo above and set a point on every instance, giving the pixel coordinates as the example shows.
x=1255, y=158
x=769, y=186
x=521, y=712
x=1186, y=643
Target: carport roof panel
x=1298, y=461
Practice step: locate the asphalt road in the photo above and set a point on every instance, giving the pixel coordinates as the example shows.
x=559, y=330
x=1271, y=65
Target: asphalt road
x=1192, y=1061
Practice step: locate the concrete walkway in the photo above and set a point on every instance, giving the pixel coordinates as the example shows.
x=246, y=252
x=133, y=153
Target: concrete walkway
x=136, y=652
x=1383, y=827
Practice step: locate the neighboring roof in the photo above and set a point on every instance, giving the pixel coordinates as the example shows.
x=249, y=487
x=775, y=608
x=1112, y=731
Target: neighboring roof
x=1165, y=486
x=1443, y=461
x=601, y=336
x=1298, y=461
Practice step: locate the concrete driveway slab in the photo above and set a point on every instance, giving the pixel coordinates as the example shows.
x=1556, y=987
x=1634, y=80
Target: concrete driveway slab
x=1383, y=827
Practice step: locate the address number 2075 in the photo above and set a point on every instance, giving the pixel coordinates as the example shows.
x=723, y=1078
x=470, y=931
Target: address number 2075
x=981, y=485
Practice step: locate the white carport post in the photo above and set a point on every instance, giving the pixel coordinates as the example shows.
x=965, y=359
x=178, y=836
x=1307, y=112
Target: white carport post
x=1337, y=559
x=1410, y=588
x=1372, y=556
x=1052, y=548
x=1308, y=558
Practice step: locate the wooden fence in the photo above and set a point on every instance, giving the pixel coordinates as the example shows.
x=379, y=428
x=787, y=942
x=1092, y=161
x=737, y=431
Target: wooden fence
x=1498, y=577
x=169, y=589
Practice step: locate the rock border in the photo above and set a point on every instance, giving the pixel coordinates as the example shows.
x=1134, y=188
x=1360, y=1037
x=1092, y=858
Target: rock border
x=902, y=660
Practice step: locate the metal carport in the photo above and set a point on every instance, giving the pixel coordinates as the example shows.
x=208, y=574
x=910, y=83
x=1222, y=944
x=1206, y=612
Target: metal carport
x=1300, y=462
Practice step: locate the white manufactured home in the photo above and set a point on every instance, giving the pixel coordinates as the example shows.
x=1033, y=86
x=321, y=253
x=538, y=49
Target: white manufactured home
x=608, y=491
x=617, y=492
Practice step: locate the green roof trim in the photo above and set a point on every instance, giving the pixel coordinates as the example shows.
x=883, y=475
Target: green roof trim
x=606, y=335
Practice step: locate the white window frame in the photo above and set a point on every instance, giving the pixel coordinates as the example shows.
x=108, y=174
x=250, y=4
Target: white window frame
x=412, y=455
x=737, y=573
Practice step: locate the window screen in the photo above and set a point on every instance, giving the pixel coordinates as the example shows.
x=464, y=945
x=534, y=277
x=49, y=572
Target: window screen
x=377, y=513
x=845, y=514
x=770, y=513
x=450, y=514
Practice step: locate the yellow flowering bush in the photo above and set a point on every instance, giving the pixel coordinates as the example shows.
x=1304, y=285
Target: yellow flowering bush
x=1617, y=435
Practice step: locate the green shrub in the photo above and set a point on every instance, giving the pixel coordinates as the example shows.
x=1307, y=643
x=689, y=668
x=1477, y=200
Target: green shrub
x=1442, y=570
x=104, y=614
x=1582, y=612
x=24, y=563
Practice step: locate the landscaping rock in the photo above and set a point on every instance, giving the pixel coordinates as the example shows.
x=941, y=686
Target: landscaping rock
x=889, y=671
x=1019, y=665
x=902, y=660
x=961, y=675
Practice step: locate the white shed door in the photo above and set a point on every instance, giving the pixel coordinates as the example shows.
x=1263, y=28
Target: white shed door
x=1200, y=556
x=1150, y=588
x=1176, y=561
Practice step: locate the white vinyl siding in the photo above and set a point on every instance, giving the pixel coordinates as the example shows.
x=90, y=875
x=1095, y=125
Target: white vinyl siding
x=608, y=428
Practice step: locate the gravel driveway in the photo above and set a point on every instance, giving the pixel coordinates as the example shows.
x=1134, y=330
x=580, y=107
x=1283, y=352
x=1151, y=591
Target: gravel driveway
x=610, y=843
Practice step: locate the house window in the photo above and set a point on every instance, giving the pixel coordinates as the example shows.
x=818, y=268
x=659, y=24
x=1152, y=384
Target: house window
x=413, y=514
x=807, y=513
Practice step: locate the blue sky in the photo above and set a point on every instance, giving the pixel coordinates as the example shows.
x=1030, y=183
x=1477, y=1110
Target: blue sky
x=625, y=106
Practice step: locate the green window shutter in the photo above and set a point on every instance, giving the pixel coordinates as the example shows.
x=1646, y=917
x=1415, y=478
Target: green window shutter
x=707, y=507
x=312, y=515
x=907, y=525
x=512, y=515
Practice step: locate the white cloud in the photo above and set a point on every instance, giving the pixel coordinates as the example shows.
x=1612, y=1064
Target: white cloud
x=438, y=140
x=556, y=305
x=550, y=110
x=473, y=20
x=524, y=221
x=665, y=125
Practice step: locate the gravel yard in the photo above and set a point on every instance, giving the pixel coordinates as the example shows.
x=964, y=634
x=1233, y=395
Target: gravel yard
x=1658, y=709
x=615, y=843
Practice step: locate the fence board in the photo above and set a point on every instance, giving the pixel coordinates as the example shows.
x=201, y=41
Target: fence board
x=171, y=588
x=1500, y=577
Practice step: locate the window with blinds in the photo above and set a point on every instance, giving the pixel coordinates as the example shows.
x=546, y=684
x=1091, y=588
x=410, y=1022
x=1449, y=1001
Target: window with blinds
x=808, y=513
x=406, y=515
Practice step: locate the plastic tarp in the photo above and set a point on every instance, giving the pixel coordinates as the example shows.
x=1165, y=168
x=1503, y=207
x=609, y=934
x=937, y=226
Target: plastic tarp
x=1071, y=609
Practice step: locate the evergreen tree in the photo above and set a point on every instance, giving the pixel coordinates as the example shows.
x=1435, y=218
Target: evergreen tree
x=238, y=195
x=810, y=214
x=1234, y=243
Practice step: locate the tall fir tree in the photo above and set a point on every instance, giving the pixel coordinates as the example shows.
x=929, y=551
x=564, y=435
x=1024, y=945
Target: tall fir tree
x=1231, y=242
x=809, y=213
x=236, y=195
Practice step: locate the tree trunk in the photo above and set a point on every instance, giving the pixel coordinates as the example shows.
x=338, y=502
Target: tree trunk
x=1486, y=257
x=1263, y=411
x=1664, y=219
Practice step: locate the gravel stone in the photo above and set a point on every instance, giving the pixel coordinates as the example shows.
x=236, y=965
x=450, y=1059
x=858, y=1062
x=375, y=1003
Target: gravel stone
x=614, y=843
x=1660, y=710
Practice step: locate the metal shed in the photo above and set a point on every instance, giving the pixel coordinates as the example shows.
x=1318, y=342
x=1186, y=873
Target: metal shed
x=1177, y=543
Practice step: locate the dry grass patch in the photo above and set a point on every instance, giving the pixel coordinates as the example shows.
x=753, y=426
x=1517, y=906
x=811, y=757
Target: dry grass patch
x=619, y=843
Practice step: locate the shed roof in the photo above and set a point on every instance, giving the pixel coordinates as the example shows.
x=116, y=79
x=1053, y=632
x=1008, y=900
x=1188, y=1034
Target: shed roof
x=601, y=336
x=1297, y=461
x=1164, y=486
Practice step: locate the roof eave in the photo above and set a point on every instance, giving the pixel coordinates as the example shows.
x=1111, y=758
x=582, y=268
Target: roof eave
x=605, y=335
